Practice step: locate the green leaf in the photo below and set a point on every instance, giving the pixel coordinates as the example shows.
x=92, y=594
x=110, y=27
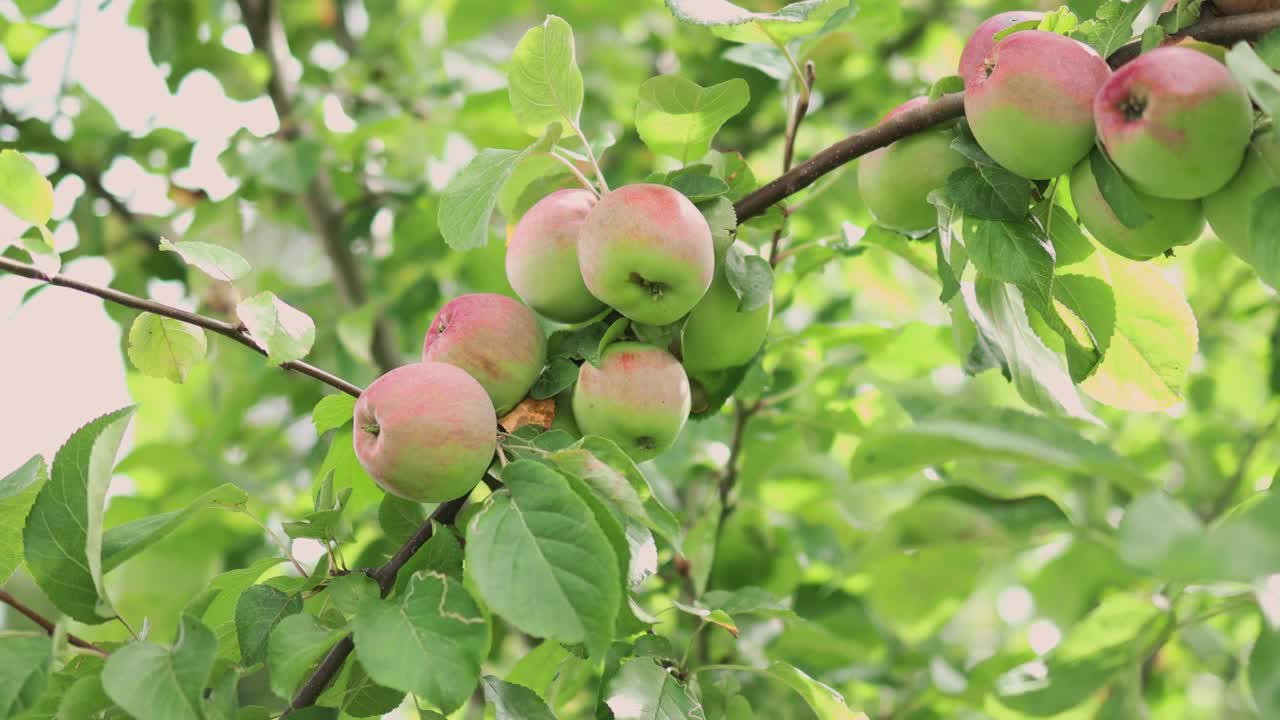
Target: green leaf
x=559, y=374
x=1165, y=539
x=798, y=19
x=431, y=643
x=700, y=545
x=40, y=247
x=615, y=331
x=750, y=276
x=123, y=542
x=332, y=412
x=18, y=491
x=152, y=682
x=698, y=187
x=1013, y=253
x=467, y=203
x=1039, y=375
x=24, y=671
x=284, y=331
x=258, y=612
x=287, y=166
x=826, y=703
x=1264, y=229
x=349, y=592
x=165, y=348
x=644, y=690
x=990, y=435
x=946, y=86
x=1116, y=191
x=442, y=554
x=677, y=117
x=1111, y=26
x=1150, y=351
x=917, y=592
x=215, y=261
x=514, y=702
x=1098, y=650
x=400, y=518
x=543, y=80
x=768, y=59
x=1264, y=672
x=1263, y=83
x=294, y=648
x=990, y=192
x=63, y=536
x=615, y=463
x=23, y=190
x=540, y=536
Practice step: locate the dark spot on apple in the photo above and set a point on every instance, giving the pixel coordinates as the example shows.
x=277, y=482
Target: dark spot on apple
x=656, y=289
x=1132, y=107
x=988, y=67
x=371, y=427
x=645, y=442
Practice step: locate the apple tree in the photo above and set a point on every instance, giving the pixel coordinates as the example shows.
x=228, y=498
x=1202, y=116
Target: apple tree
x=691, y=359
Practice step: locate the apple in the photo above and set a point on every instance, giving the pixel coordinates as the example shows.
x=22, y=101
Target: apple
x=493, y=337
x=425, y=432
x=982, y=40
x=1229, y=210
x=895, y=181
x=542, y=257
x=1172, y=222
x=1030, y=104
x=646, y=251
x=717, y=335
x=638, y=398
x=1175, y=121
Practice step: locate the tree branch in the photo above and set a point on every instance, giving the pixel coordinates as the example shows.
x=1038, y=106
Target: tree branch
x=385, y=576
x=323, y=210
x=226, y=329
x=789, y=142
x=46, y=624
x=1221, y=30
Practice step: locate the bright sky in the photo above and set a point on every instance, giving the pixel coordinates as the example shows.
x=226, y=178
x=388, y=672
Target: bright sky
x=60, y=359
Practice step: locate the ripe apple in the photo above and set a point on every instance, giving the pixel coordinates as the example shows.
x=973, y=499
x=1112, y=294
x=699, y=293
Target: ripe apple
x=646, y=251
x=895, y=181
x=982, y=40
x=1030, y=104
x=638, y=398
x=717, y=335
x=425, y=432
x=1229, y=210
x=542, y=257
x=1172, y=222
x=493, y=337
x=1175, y=121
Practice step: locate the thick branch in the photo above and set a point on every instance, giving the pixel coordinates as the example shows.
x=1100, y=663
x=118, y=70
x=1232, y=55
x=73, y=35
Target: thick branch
x=46, y=624
x=220, y=327
x=1222, y=30
x=319, y=200
x=386, y=578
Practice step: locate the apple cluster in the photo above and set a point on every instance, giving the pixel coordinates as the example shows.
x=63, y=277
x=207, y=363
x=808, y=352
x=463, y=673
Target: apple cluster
x=428, y=431
x=1174, y=122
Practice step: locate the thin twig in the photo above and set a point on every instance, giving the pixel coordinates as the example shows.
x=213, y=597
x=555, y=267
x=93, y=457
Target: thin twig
x=806, y=80
x=591, y=157
x=46, y=624
x=288, y=553
x=226, y=329
x=319, y=200
x=385, y=576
